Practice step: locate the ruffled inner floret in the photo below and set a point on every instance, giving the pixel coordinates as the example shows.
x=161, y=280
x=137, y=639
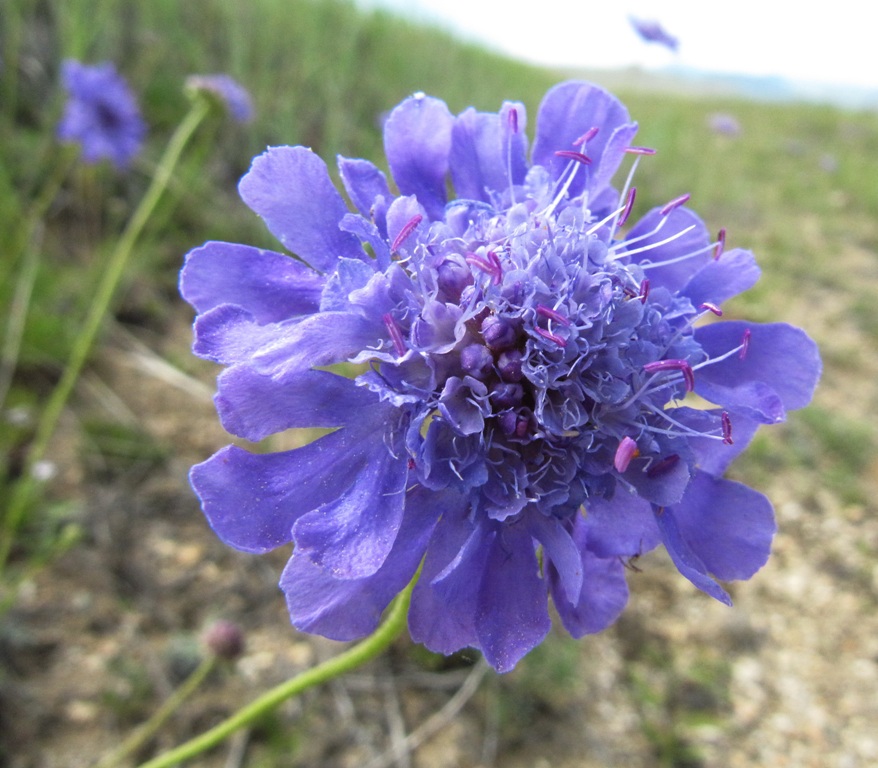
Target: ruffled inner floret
x=529, y=345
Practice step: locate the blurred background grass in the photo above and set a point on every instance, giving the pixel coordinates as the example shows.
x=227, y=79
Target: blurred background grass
x=796, y=185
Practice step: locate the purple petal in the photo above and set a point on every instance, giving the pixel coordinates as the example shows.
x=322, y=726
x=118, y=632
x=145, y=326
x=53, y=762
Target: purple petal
x=728, y=525
x=484, y=149
x=672, y=276
x=322, y=339
x=621, y=527
x=269, y=285
x=253, y=406
x=561, y=550
x=252, y=500
x=610, y=157
x=366, y=232
x=352, y=535
x=720, y=279
x=443, y=610
x=686, y=560
x=290, y=188
x=512, y=615
x=417, y=142
x=228, y=334
x=346, y=609
x=714, y=456
x=567, y=112
x=363, y=182
x=604, y=590
x=779, y=372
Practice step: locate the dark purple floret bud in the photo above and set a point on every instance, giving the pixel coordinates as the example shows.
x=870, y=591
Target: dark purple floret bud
x=515, y=424
x=505, y=395
x=499, y=333
x=225, y=639
x=452, y=277
x=509, y=365
x=476, y=360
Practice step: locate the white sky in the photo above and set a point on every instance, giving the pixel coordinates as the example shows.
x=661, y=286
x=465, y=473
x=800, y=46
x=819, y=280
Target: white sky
x=817, y=42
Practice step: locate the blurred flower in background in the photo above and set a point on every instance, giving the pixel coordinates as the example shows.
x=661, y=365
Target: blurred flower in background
x=101, y=114
x=230, y=94
x=724, y=124
x=653, y=32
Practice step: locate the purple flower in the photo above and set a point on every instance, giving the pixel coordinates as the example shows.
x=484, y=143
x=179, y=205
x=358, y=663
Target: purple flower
x=517, y=420
x=653, y=32
x=101, y=114
x=724, y=124
x=227, y=91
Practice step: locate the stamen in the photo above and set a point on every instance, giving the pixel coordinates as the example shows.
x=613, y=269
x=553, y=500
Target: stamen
x=639, y=151
x=586, y=137
x=629, y=204
x=660, y=243
x=745, y=344
x=395, y=334
x=711, y=307
x=490, y=266
x=644, y=290
x=674, y=204
x=663, y=466
x=410, y=227
x=552, y=314
x=720, y=244
x=682, y=366
x=551, y=336
x=626, y=451
x=513, y=119
x=571, y=155
x=727, y=428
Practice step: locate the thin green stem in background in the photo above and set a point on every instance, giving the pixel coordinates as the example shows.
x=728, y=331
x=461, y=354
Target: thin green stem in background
x=322, y=673
x=146, y=731
x=27, y=244
x=82, y=346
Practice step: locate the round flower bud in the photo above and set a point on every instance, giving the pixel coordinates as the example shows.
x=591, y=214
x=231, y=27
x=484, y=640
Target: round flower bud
x=476, y=360
x=225, y=639
x=499, y=333
x=509, y=365
x=452, y=277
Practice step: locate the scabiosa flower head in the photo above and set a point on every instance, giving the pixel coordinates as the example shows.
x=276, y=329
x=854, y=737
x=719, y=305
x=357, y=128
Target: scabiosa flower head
x=652, y=31
x=518, y=420
x=101, y=114
x=226, y=91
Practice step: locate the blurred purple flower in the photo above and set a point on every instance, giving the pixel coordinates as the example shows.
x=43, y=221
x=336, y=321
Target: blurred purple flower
x=228, y=91
x=517, y=423
x=724, y=123
x=101, y=114
x=652, y=32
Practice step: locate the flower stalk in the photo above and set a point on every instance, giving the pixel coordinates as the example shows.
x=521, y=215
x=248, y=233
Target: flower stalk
x=352, y=658
x=82, y=346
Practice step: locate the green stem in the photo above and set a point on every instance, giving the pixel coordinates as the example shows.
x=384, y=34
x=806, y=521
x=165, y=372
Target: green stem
x=146, y=731
x=85, y=340
x=328, y=670
x=26, y=244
